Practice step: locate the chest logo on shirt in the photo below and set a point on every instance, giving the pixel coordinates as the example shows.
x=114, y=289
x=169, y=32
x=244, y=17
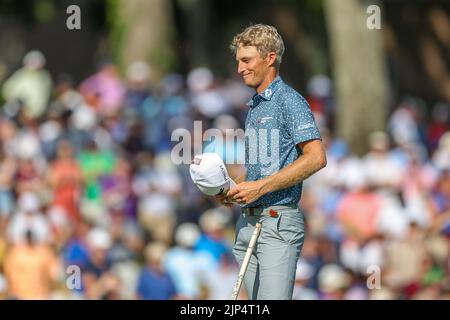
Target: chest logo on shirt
x=263, y=120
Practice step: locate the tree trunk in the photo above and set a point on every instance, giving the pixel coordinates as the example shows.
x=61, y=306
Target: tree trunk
x=195, y=17
x=359, y=72
x=143, y=30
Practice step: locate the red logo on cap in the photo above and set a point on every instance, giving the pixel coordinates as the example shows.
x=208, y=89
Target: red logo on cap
x=197, y=160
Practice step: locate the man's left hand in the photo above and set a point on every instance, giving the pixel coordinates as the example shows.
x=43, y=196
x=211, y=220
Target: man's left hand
x=246, y=192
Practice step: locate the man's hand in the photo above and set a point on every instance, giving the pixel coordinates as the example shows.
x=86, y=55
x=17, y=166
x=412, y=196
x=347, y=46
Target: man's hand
x=224, y=200
x=247, y=192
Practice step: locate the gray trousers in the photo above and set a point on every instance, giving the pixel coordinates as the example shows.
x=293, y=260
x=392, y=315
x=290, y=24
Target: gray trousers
x=271, y=272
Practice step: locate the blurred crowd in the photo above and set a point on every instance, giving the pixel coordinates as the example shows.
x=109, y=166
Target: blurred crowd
x=93, y=207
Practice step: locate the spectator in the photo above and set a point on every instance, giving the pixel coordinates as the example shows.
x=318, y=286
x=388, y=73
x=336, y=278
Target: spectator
x=333, y=282
x=404, y=258
x=382, y=171
x=154, y=282
x=7, y=171
x=29, y=218
x=188, y=268
x=359, y=209
x=94, y=164
x=212, y=240
x=30, y=85
x=303, y=274
x=104, y=90
x=139, y=79
x=440, y=197
x=441, y=157
x=97, y=279
x=221, y=280
x=31, y=269
x=439, y=124
x=66, y=180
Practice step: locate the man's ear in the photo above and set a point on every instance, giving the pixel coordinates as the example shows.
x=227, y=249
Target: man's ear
x=271, y=58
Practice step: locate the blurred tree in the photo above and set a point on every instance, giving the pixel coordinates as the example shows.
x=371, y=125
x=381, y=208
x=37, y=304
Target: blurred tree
x=359, y=72
x=306, y=51
x=435, y=49
x=143, y=30
x=419, y=65
x=196, y=25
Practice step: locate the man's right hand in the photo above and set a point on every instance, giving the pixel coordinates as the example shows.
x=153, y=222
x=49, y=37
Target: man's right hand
x=223, y=200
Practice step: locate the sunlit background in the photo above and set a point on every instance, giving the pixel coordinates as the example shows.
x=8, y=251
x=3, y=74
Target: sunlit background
x=92, y=207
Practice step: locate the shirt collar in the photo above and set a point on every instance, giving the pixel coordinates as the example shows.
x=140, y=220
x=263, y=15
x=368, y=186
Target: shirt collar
x=267, y=94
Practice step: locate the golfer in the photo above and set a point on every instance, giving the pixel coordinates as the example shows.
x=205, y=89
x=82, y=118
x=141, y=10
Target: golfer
x=280, y=128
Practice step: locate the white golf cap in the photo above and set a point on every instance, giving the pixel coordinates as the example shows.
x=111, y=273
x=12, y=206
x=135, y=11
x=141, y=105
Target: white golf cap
x=210, y=174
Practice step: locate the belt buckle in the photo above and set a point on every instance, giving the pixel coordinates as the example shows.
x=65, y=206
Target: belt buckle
x=251, y=212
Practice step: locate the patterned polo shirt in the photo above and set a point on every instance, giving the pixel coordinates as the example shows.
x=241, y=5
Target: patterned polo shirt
x=279, y=118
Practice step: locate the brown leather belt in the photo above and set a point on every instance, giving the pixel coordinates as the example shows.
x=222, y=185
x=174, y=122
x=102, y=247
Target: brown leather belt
x=270, y=211
x=253, y=211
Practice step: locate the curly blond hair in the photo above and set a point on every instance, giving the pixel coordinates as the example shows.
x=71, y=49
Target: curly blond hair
x=264, y=37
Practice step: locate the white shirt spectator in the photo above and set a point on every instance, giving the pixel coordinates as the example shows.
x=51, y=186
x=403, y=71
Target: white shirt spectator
x=23, y=222
x=382, y=170
x=28, y=218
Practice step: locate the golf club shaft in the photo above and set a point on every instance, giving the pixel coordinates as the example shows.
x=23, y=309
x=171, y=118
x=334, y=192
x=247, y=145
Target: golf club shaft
x=246, y=261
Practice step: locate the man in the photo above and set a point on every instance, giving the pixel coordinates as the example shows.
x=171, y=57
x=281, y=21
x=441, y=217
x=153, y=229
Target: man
x=31, y=85
x=155, y=283
x=31, y=268
x=282, y=125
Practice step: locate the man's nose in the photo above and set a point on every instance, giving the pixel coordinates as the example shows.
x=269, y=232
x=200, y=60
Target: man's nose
x=240, y=68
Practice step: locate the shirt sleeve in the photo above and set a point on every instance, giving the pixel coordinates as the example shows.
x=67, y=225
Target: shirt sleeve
x=299, y=120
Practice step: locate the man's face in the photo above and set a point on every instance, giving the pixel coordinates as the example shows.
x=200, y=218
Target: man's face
x=251, y=66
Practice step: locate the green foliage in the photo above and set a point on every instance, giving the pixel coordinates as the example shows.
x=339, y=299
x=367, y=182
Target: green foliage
x=44, y=10
x=164, y=58
x=117, y=28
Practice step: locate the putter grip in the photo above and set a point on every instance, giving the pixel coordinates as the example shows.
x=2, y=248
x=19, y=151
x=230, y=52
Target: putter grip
x=244, y=265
